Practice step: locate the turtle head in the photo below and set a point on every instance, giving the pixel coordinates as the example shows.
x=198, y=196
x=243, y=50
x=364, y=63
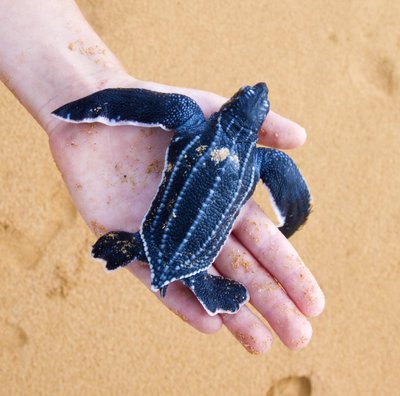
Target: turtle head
x=248, y=108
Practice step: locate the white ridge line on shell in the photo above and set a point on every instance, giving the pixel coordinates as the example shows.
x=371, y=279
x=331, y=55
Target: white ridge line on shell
x=226, y=236
x=231, y=201
x=179, y=197
x=199, y=217
x=171, y=178
x=201, y=212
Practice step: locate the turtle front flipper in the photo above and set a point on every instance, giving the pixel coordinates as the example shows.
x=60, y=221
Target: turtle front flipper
x=134, y=106
x=289, y=192
x=119, y=248
x=217, y=294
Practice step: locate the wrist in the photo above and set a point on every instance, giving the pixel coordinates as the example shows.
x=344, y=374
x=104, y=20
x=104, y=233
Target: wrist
x=78, y=82
x=49, y=58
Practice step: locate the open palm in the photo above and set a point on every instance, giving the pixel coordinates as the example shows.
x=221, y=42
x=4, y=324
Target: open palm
x=113, y=173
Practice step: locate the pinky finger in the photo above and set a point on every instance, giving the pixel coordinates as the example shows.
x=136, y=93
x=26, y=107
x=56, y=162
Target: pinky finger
x=247, y=328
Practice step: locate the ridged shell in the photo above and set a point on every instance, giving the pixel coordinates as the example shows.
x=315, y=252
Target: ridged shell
x=207, y=178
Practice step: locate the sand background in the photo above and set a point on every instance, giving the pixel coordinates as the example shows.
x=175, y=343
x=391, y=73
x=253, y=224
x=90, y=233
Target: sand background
x=67, y=328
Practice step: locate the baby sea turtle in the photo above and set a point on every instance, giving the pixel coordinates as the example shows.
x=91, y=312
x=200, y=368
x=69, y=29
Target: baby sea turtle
x=211, y=169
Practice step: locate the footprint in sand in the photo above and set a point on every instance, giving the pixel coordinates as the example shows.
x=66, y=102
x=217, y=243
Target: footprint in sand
x=66, y=266
x=62, y=283
x=20, y=248
x=291, y=386
x=372, y=72
x=12, y=336
x=16, y=247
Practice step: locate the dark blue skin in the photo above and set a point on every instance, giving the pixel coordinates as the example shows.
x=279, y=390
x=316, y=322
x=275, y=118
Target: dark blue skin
x=212, y=168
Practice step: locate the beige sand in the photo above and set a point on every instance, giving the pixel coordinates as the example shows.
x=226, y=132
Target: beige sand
x=65, y=327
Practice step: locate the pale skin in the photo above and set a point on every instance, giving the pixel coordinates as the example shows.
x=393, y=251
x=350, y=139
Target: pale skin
x=49, y=55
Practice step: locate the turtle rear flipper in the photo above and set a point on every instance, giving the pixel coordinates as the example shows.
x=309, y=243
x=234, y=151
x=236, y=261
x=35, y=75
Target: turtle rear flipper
x=119, y=248
x=217, y=294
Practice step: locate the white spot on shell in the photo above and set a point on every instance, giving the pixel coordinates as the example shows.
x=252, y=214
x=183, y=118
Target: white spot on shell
x=218, y=155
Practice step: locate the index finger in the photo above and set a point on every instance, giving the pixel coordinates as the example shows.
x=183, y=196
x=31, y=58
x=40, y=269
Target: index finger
x=280, y=132
x=276, y=131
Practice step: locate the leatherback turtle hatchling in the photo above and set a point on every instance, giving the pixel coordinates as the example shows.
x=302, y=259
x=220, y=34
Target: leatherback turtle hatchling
x=211, y=169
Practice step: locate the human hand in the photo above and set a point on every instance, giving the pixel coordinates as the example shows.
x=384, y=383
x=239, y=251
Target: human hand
x=113, y=175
